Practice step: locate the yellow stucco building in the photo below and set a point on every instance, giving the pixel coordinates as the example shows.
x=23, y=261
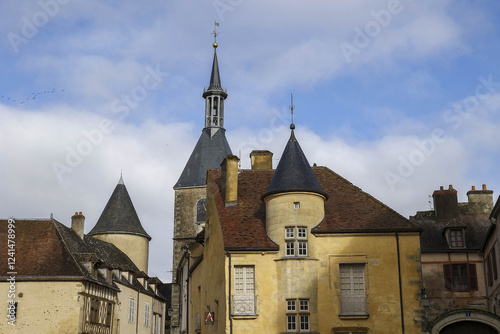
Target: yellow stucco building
x=298, y=249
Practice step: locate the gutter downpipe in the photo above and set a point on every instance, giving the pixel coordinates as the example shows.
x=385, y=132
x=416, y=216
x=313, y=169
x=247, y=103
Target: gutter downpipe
x=400, y=288
x=137, y=317
x=230, y=316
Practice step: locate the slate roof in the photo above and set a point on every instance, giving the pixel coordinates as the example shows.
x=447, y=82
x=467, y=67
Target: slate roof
x=348, y=210
x=293, y=172
x=433, y=238
x=215, y=83
x=208, y=153
x=119, y=215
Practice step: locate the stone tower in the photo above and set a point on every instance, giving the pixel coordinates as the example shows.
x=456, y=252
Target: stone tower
x=295, y=204
x=120, y=225
x=190, y=190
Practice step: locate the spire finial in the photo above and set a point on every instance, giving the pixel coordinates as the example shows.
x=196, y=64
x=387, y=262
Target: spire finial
x=292, y=108
x=121, y=178
x=215, y=33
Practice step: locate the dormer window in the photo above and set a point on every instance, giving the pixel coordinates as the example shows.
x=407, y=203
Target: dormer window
x=456, y=238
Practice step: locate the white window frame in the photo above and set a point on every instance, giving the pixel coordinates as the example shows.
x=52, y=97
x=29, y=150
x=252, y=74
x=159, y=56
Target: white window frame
x=296, y=241
x=352, y=279
x=153, y=327
x=131, y=310
x=146, y=314
x=244, y=290
x=298, y=315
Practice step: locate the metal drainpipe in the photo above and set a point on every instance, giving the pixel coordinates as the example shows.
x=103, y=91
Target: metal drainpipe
x=485, y=283
x=187, y=293
x=400, y=289
x=137, y=317
x=229, y=297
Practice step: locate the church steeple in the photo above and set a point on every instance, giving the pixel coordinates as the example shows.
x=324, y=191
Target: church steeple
x=214, y=97
x=212, y=147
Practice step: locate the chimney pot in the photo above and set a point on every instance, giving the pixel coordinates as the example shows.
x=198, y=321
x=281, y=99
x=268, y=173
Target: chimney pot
x=484, y=186
x=261, y=159
x=229, y=179
x=473, y=188
x=441, y=188
x=78, y=224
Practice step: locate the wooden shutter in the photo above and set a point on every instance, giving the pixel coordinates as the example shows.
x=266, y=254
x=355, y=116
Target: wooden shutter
x=448, y=282
x=472, y=277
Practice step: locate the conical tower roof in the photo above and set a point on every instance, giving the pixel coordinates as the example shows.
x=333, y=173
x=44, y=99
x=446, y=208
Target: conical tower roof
x=215, y=85
x=293, y=172
x=119, y=215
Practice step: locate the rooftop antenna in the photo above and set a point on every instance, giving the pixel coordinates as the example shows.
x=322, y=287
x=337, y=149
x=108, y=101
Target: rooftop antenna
x=292, y=108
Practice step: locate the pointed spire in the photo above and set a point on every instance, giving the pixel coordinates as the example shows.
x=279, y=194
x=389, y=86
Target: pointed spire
x=294, y=172
x=119, y=215
x=121, y=179
x=215, y=76
x=214, y=97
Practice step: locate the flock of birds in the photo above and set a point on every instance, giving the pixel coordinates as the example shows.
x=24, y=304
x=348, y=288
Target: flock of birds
x=31, y=98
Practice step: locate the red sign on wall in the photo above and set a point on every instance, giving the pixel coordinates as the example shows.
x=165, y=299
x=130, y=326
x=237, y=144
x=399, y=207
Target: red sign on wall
x=209, y=318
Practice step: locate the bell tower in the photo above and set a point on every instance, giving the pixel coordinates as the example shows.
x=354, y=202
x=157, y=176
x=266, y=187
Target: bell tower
x=190, y=190
x=214, y=97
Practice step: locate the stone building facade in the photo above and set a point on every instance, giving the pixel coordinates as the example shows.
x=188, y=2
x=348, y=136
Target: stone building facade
x=454, y=289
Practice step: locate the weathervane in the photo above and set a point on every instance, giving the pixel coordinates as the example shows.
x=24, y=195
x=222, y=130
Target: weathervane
x=292, y=108
x=215, y=33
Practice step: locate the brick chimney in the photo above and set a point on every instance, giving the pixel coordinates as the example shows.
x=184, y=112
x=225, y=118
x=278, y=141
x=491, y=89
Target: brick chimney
x=445, y=203
x=229, y=179
x=480, y=201
x=261, y=159
x=78, y=223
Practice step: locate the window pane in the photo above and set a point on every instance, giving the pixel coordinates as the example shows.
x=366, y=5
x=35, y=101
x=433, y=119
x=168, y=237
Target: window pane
x=304, y=305
x=304, y=323
x=290, y=233
x=303, y=248
x=302, y=232
x=291, y=323
x=290, y=305
x=290, y=248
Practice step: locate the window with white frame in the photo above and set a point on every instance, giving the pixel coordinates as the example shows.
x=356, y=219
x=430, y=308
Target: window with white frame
x=131, y=310
x=153, y=331
x=297, y=315
x=159, y=324
x=146, y=315
x=296, y=241
x=244, y=290
x=352, y=289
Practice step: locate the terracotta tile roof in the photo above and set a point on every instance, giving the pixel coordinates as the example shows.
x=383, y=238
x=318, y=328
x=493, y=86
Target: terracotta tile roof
x=348, y=209
x=39, y=250
x=46, y=249
x=244, y=225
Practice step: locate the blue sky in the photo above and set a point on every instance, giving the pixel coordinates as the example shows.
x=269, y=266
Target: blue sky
x=399, y=97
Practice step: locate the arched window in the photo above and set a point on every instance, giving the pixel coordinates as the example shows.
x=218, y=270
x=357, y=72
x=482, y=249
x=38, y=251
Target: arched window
x=201, y=211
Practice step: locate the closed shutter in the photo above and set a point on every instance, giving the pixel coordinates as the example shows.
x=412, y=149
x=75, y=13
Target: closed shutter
x=448, y=282
x=472, y=277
